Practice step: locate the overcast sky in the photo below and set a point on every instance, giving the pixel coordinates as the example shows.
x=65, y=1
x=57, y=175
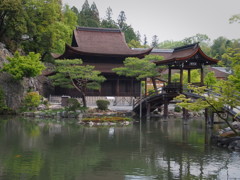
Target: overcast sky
x=173, y=19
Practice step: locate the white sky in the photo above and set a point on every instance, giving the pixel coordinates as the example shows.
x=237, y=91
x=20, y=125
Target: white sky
x=173, y=19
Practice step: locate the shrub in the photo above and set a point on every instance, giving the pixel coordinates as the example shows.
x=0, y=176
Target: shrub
x=73, y=104
x=102, y=104
x=177, y=109
x=31, y=101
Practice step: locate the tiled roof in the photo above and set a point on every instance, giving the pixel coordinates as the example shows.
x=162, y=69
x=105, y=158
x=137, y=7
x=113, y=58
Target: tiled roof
x=184, y=53
x=100, y=42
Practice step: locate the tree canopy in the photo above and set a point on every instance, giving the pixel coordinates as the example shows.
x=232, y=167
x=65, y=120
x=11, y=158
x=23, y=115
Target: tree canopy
x=24, y=66
x=41, y=26
x=139, y=68
x=70, y=73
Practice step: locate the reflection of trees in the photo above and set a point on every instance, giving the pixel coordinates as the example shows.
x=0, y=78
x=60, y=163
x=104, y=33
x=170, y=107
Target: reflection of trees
x=166, y=150
x=24, y=165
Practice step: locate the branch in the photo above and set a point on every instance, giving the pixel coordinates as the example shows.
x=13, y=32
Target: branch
x=225, y=119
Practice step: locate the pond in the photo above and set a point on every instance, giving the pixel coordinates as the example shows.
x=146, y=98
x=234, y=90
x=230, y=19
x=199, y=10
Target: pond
x=63, y=150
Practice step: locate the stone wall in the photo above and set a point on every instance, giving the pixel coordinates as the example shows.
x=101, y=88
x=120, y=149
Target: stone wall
x=15, y=90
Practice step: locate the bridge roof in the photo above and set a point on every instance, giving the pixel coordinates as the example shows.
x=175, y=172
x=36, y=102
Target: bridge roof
x=185, y=53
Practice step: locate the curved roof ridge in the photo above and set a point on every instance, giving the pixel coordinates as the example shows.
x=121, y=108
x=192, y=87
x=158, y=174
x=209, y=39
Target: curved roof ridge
x=98, y=29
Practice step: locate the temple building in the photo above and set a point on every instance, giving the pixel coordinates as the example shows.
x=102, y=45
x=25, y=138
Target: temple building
x=105, y=49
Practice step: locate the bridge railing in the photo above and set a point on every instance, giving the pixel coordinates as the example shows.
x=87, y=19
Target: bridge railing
x=145, y=97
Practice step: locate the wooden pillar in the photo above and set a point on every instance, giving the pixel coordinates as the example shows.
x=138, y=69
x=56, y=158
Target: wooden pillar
x=169, y=75
x=132, y=90
x=189, y=75
x=209, y=117
x=145, y=87
x=202, y=76
x=117, y=93
x=181, y=79
x=165, y=109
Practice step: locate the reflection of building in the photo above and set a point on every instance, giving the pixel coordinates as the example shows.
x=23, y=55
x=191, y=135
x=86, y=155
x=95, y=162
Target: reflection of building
x=105, y=49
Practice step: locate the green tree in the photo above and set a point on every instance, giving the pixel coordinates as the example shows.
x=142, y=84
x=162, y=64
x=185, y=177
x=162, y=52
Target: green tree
x=135, y=44
x=89, y=15
x=155, y=41
x=219, y=47
x=24, y=66
x=210, y=79
x=12, y=22
x=145, y=42
x=235, y=18
x=108, y=22
x=62, y=30
x=138, y=68
x=72, y=74
x=122, y=20
x=232, y=60
x=211, y=101
x=170, y=44
x=34, y=25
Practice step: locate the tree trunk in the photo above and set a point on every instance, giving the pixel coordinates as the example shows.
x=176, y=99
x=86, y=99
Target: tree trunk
x=82, y=93
x=154, y=84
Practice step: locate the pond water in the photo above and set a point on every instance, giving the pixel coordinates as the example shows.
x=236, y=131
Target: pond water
x=60, y=150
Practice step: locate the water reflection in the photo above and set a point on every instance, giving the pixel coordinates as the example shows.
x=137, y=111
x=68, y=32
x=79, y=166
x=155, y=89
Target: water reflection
x=156, y=149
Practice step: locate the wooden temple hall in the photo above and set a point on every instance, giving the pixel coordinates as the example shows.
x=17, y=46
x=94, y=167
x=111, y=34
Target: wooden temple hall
x=107, y=49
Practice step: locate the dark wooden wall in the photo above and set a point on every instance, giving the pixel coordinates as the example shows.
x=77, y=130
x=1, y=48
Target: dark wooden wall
x=113, y=86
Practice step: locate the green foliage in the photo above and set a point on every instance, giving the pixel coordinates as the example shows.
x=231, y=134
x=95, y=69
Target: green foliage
x=195, y=76
x=177, y=109
x=227, y=97
x=235, y=18
x=88, y=16
x=139, y=68
x=40, y=26
x=232, y=60
x=210, y=79
x=3, y=107
x=24, y=66
x=31, y=101
x=135, y=44
x=102, y=104
x=151, y=57
x=73, y=104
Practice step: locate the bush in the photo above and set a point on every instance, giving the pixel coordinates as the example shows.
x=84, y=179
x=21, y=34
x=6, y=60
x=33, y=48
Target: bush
x=73, y=104
x=31, y=101
x=177, y=109
x=102, y=104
